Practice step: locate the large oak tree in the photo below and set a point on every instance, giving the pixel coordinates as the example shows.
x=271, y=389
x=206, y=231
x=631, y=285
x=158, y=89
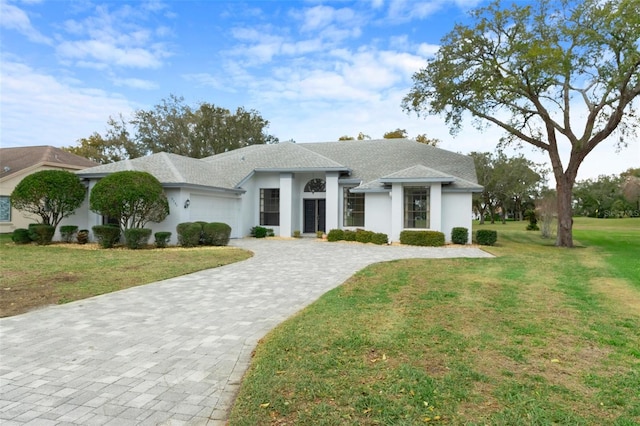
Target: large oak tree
x=550, y=73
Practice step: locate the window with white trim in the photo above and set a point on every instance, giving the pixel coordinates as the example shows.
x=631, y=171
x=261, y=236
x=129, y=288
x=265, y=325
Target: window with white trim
x=416, y=207
x=270, y=206
x=353, y=208
x=5, y=208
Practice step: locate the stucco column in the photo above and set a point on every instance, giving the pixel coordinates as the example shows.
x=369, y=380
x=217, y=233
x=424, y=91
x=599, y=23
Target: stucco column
x=286, y=195
x=397, y=218
x=435, y=208
x=333, y=199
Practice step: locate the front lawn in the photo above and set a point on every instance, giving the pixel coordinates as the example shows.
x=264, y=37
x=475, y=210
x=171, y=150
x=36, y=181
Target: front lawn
x=33, y=276
x=538, y=335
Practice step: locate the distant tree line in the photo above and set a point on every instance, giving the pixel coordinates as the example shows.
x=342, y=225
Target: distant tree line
x=175, y=127
x=394, y=134
x=608, y=195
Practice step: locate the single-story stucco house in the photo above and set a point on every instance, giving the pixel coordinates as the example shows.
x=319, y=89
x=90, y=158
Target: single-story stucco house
x=384, y=186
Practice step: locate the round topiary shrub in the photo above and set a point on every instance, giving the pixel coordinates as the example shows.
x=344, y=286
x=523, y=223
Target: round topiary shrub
x=136, y=238
x=216, y=234
x=486, y=237
x=189, y=234
x=107, y=235
x=68, y=232
x=349, y=235
x=162, y=239
x=335, y=235
x=459, y=235
x=380, y=238
x=259, y=231
x=21, y=236
x=41, y=233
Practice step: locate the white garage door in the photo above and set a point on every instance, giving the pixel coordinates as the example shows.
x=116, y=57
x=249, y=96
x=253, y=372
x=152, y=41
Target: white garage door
x=209, y=208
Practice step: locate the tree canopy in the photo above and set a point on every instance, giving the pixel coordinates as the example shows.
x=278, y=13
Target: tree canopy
x=50, y=194
x=175, y=127
x=134, y=198
x=548, y=73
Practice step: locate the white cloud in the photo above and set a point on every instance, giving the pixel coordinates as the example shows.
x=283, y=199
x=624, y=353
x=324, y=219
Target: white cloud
x=38, y=109
x=16, y=19
x=108, y=53
x=135, y=83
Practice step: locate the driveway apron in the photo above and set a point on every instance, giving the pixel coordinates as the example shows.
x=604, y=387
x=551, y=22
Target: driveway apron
x=172, y=352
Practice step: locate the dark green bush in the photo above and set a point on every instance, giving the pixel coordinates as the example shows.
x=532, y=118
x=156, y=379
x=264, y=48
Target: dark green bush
x=189, y=234
x=21, y=236
x=68, y=232
x=42, y=234
x=486, y=237
x=259, y=231
x=162, y=239
x=459, y=235
x=107, y=235
x=363, y=236
x=216, y=234
x=136, y=238
x=422, y=238
x=530, y=215
x=380, y=238
x=335, y=235
x=83, y=236
x=349, y=235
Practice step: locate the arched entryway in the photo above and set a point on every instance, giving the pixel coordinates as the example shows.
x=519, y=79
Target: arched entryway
x=314, y=206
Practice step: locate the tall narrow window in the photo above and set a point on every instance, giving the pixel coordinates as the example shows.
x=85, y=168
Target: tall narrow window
x=5, y=209
x=353, y=208
x=270, y=206
x=416, y=207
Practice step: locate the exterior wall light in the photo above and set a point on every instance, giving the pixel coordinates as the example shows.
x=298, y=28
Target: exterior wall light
x=187, y=203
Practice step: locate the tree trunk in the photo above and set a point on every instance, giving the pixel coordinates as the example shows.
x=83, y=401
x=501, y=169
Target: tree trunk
x=564, y=236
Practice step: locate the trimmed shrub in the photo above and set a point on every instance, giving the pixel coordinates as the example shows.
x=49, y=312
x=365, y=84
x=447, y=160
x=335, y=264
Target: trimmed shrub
x=41, y=233
x=380, y=238
x=335, y=235
x=162, y=239
x=270, y=232
x=259, y=231
x=459, y=235
x=189, y=234
x=136, y=238
x=21, y=236
x=319, y=234
x=83, y=236
x=363, y=236
x=216, y=234
x=349, y=235
x=486, y=237
x=68, y=232
x=422, y=238
x=107, y=235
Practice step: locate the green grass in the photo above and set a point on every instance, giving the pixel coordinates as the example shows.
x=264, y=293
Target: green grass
x=538, y=335
x=33, y=276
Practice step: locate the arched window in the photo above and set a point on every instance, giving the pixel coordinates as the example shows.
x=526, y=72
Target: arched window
x=315, y=185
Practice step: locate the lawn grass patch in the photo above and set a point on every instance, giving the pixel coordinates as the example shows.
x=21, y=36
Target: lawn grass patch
x=34, y=276
x=528, y=337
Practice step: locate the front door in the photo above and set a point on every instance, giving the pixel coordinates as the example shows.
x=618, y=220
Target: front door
x=314, y=215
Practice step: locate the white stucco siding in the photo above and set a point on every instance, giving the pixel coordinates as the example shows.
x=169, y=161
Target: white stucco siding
x=216, y=208
x=456, y=212
x=377, y=212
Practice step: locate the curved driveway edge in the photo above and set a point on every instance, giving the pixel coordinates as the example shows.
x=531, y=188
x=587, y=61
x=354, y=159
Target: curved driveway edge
x=172, y=352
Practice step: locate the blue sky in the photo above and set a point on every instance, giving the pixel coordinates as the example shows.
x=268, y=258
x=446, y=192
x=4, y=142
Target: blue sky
x=315, y=70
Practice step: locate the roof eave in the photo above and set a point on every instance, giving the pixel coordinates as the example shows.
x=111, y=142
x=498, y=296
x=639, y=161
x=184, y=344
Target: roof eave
x=418, y=180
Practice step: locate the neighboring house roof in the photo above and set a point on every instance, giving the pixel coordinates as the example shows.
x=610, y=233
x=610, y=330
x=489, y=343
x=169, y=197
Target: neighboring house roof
x=371, y=165
x=22, y=159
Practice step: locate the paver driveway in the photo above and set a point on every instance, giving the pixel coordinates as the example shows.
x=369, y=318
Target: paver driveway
x=171, y=352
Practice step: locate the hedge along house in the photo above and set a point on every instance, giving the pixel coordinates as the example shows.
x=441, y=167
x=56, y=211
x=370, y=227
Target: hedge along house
x=385, y=186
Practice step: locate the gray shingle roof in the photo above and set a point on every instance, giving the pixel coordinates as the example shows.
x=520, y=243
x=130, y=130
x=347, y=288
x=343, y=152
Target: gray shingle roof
x=170, y=169
x=372, y=163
